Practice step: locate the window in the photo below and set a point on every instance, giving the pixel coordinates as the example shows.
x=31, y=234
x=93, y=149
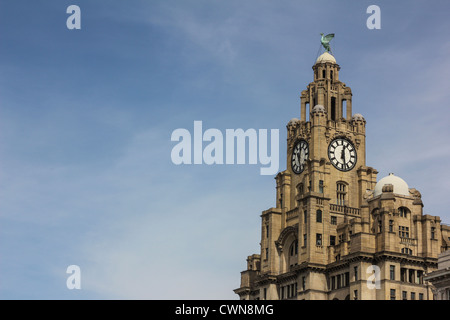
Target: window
x=303, y=283
x=333, y=283
x=281, y=200
x=380, y=226
x=341, y=239
x=320, y=186
x=433, y=231
x=391, y=225
x=305, y=216
x=355, y=294
x=309, y=186
x=392, y=294
x=419, y=277
x=331, y=74
x=267, y=231
x=420, y=296
x=403, y=212
x=407, y=251
x=413, y=296
x=333, y=108
x=318, y=239
x=323, y=73
x=334, y=220
x=412, y=275
x=300, y=188
x=355, y=272
x=282, y=292
x=304, y=239
x=338, y=280
x=403, y=232
x=347, y=279
x=332, y=240
x=319, y=216
x=403, y=274
x=341, y=193
x=392, y=273
x=294, y=248
x=265, y=293
x=404, y=295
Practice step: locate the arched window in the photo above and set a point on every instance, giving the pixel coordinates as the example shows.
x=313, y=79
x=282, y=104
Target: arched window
x=294, y=248
x=333, y=108
x=403, y=212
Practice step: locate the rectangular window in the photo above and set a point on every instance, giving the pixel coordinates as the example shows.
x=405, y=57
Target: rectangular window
x=419, y=276
x=355, y=273
x=318, y=239
x=303, y=283
x=267, y=231
x=282, y=292
x=333, y=220
x=404, y=295
x=392, y=294
x=392, y=273
x=355, y=294
x=412, y=275
x=267, y=253
x=338, y=281
x=320, y=186
x=420, y=296
x=413, y=296
x=403, y=274
x=333, y=283
x=332, y=240
x=305, y=216
x=319, y=216
x=347, y=279
x=433, y=231
x=391, y=225
x=265, y=293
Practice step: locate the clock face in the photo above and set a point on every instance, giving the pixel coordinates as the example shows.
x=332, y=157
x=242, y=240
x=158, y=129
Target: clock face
x=342, y=154
x=300, y=154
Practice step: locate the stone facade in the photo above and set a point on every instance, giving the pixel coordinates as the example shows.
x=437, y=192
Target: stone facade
x=334, y=227
x=440, y=279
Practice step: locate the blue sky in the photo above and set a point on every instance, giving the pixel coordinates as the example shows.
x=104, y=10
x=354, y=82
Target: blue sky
x=86, y=118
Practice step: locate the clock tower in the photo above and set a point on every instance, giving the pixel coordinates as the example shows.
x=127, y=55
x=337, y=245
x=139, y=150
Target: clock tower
x=332, y=221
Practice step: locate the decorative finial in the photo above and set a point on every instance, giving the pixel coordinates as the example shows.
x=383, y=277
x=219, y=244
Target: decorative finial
x=325, y=40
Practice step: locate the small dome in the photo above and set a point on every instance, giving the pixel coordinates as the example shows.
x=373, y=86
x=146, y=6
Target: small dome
x=318, y=109
x=325, y=57
x=399, y=186
x=293, y=121
x=358, y=116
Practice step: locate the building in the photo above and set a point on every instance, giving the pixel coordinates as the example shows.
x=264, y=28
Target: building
x=440, y=279
x=337, y=233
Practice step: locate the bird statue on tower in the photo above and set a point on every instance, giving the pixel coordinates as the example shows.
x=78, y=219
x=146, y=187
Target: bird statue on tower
x=325, y=40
